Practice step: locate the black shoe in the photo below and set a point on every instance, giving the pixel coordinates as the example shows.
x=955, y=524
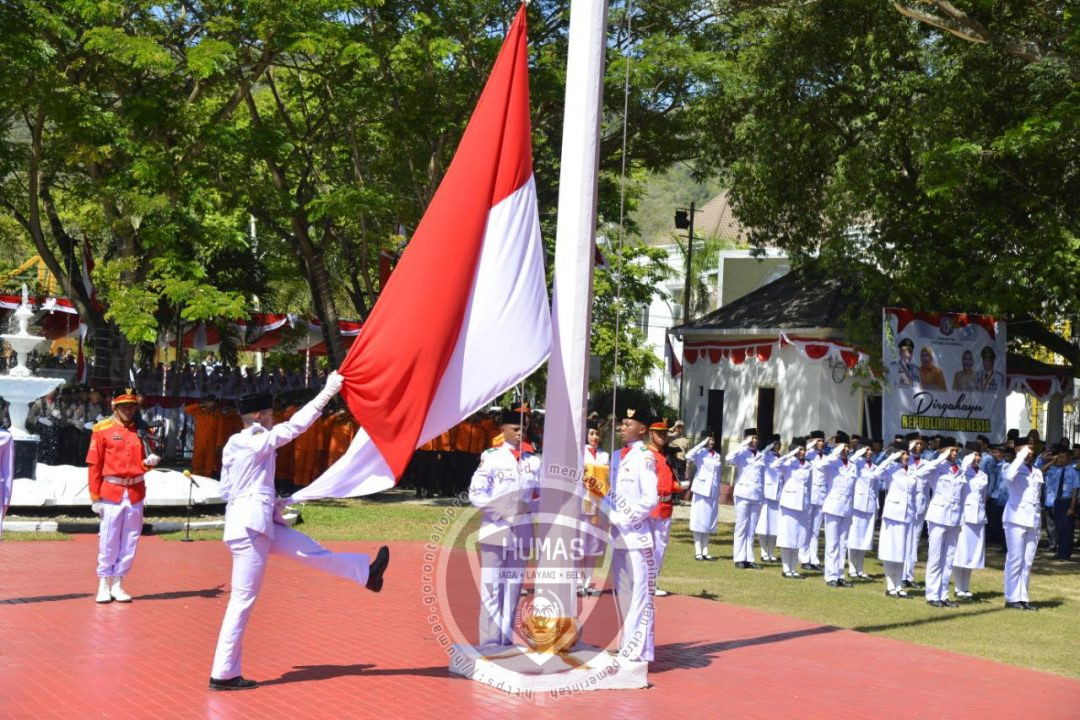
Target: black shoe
x=709, y=558
x=935, y=603
x=832, y=583
x=1014, y=605
x=908, y=584
x=752, y=566
x=1029, y=606
x=845, y=583
x=815, y=566
x=807, y=566
x=950, y=603
x=237, y=683
x=377, y=568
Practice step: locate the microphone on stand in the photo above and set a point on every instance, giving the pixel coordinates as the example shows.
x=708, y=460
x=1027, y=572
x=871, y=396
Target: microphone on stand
x=187, y=525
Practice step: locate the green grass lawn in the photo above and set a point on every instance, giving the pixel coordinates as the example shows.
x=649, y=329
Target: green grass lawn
x=983, y=627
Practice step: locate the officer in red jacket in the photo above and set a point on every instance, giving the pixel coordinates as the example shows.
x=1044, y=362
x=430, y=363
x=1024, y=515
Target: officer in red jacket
x=667, y=485
x=118, y=458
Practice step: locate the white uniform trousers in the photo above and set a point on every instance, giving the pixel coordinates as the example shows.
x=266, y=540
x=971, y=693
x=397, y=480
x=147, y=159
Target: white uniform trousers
x=118, y=536
x=836, y=533
x=249, y=566
x=633, y=581
x=746, y=518
x=1022, y=542
x=502, y=574
x=809, y=552
x=939, y=560
x=912, y=558
x=661, y=535
x=768, y=526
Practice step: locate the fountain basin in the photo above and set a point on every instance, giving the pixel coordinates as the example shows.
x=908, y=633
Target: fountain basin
x=20, y=392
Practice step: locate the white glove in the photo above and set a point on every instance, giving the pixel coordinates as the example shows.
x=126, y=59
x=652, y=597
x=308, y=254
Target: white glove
x=96, y=507
x=911, y=445
x=55, y=413
x=333, y=383
x=89, y=426
x=45, y=421
x=966, y=462
x=892, y=458
x=151, y=460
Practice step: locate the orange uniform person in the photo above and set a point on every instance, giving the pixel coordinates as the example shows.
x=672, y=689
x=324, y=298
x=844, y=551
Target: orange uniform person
x=306, y=454
x=118, y=458
x=207, y=418
x=341, y=431
x=666, y=487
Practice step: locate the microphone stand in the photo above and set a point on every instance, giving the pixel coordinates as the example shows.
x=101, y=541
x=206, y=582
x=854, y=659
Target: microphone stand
x=191, y=489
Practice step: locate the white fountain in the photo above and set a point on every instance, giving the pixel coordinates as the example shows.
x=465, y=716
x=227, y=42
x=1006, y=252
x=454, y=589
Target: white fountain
x=20, y=386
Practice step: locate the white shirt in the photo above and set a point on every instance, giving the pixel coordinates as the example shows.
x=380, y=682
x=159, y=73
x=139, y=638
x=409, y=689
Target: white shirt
x=1025, y=488
x=749, y=472
x=248, y=462
x=502, y=487
x=707, y=474
x=633, y=496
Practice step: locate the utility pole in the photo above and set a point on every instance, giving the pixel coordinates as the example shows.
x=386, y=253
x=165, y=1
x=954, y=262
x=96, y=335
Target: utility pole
x=685, y=221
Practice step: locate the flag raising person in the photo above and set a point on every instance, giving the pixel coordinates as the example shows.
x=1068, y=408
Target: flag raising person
x=254, y=526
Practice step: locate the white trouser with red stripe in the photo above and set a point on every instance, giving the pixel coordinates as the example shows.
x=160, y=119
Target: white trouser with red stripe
x=118, y=536
x=249, y=565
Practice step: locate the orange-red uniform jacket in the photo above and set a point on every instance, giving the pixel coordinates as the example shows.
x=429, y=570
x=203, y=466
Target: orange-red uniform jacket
x=665, y=487
x=115, y=449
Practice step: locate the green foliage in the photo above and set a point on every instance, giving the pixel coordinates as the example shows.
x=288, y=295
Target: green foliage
x=848, y=131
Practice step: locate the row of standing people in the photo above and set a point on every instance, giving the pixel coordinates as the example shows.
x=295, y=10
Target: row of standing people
x=839, y=487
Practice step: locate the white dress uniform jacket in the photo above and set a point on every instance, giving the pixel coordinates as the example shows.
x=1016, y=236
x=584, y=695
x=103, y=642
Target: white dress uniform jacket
x=705, y=488
x=633, y=496
x=749, y=473
x=1025, y=488
x=502, y=487
x=947, y=483
x=840, y=478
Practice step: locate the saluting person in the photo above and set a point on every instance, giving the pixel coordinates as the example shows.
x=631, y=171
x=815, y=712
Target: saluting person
x=840, y=475
x=1021, y=520
x=971, y=544
x=118, y=458
x=794, y=525
x=254, y=526
x=897, y=513
x=667, y=484
x=864, y=506
x=705, y=495
x=946, y=479
x=769, y=519
x=815, y=450
x=749, y=465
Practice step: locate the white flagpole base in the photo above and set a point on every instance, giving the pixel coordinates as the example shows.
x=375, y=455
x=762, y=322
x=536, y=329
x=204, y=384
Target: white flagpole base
x=526, y=673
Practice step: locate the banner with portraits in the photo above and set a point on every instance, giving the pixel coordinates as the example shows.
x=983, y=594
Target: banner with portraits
x=944, y=374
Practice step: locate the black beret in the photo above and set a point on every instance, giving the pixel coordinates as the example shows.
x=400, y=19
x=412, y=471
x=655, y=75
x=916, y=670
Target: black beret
x=947, y=443
x=818, y=434
x=748, y=432
x=842, y=437
x=255, y=403
x=508, y=416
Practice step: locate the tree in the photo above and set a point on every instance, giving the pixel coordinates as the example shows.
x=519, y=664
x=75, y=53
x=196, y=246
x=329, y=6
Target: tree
x=945, y=161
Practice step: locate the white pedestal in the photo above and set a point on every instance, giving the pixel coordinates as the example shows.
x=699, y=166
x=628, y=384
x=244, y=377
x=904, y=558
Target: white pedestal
x=522, y=672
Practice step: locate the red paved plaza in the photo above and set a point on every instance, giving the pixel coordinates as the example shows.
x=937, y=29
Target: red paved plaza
x=323, y=648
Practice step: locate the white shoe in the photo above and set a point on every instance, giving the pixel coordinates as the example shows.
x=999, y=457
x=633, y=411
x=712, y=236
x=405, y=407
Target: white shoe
x=118, y=593
x=660, y=593
x=103, y=594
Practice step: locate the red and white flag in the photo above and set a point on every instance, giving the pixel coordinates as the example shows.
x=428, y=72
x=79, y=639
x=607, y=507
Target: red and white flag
x=465, y=314
x=674, y=367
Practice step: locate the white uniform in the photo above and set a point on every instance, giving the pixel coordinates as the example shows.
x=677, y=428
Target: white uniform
x=247, y=485
x=794, y=526
x=922, y=500
x=840, y=477
x=944, y=515
x=749, y=480
x=705, y=494
x=768, y=523
x=864, y=506
x=633, y=496
x=808, y=554
x=1022, y=521
x=971, y=545
x=897, y=514
x=502, y=487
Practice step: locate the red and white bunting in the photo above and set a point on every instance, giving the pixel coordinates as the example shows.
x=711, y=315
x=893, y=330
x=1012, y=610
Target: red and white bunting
x=738, y=352
x=1042, y=386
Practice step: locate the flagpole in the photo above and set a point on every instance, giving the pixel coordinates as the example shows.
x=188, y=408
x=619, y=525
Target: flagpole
x=564, y=424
